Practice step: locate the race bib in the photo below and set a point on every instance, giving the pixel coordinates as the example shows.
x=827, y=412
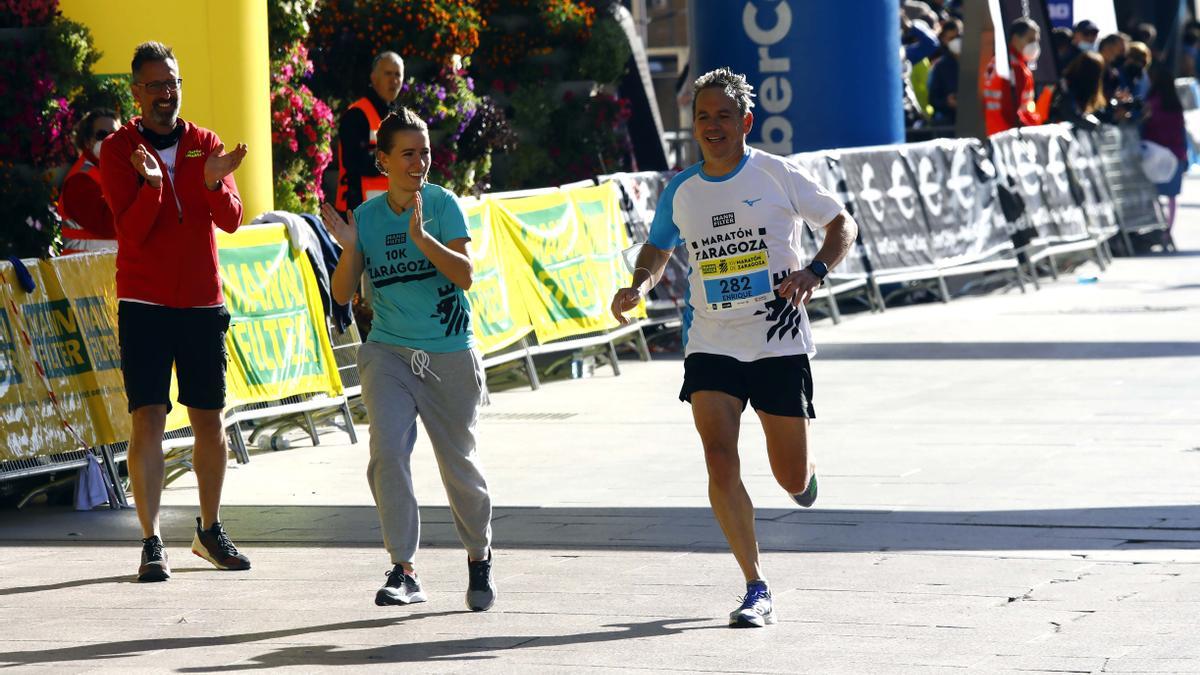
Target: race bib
x=736, y=281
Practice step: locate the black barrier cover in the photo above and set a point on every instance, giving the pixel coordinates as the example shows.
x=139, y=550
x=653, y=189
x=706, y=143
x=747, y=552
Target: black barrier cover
x=1016, y=159
x=888, y=210
x=1051, y=144
x=1134, y=196
x=1083, y=159
x=956, y=182
x=826, y=170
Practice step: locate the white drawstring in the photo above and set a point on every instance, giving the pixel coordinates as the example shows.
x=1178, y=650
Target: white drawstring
x=420, y=364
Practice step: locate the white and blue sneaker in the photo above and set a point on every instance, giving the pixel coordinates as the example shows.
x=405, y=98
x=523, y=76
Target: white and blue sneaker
x=756, y=610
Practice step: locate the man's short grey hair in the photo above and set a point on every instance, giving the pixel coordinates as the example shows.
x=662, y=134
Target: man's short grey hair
x=150, y=51
x=382, y=56
x=733, y=84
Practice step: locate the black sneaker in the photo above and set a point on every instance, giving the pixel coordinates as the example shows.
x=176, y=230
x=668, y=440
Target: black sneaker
x=756, y=610
x=401, y=588
x=481, y=590
x=214, y=546
x=154, y=565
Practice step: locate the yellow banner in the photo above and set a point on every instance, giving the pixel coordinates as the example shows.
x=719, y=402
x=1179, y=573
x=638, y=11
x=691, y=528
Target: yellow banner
x=498, y=313
x=85, y=281
x=567, y=262
x=278, y=342
x=29, y=424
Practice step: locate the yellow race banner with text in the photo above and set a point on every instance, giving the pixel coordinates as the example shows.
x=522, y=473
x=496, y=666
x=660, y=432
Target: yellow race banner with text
x=567, y=261
x=29, y=424
x=498, y=313
x=278, y=342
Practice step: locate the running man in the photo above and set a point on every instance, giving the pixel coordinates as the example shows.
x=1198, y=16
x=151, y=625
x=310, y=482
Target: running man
x=746, y=334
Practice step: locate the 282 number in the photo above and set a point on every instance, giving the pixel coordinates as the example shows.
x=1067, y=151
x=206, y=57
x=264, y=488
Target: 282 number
x=735, y=284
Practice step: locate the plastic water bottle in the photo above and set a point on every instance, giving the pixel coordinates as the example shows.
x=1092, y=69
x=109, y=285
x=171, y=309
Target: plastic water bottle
x=270, y=442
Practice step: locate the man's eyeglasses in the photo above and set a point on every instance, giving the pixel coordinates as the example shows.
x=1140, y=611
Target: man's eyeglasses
x=158, y=87
x=102, y=134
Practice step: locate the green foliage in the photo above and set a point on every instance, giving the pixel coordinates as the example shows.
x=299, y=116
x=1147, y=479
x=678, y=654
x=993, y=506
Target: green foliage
x=287, y=22
x=606, y=55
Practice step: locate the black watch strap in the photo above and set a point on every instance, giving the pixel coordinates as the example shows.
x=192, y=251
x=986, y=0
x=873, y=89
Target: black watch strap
x=818, y=268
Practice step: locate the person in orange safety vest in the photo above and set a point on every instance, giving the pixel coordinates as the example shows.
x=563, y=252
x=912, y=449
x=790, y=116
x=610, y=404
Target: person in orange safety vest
x=87, y=220
x=1010, y=103
x=359, y=178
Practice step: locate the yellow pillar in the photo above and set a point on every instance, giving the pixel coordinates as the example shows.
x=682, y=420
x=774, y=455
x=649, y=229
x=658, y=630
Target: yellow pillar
x=223, y=59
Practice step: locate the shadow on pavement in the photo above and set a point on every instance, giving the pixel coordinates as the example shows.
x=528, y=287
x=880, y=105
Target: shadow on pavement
x=331, y=655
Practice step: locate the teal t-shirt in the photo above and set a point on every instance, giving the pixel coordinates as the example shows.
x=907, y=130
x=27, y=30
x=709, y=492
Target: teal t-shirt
x=415, y=305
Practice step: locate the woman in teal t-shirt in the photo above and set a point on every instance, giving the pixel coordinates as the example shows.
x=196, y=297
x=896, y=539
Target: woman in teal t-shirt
x=418, y=360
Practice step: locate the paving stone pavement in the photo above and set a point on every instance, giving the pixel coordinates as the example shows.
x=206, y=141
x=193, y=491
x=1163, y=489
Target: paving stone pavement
x=1008, y=484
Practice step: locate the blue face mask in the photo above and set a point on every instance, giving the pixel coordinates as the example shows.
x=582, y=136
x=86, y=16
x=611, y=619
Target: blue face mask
x=1087, y=46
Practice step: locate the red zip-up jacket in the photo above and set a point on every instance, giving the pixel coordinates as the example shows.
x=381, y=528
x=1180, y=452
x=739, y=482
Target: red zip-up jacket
x=167, y=250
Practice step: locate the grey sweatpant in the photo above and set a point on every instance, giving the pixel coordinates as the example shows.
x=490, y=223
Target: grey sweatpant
x=448, y=408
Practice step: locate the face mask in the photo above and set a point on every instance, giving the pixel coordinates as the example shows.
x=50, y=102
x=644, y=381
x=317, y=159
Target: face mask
x=1087, y=46
x=96, y=149
x=1031, y=52
x=955, y=46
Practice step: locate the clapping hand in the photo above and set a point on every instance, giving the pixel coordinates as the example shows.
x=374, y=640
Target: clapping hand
x=220, y=164
x=345, y=233
x=147, y=167
x=416, y=222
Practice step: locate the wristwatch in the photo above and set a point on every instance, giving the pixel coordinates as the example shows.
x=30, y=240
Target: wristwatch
x=818, y=268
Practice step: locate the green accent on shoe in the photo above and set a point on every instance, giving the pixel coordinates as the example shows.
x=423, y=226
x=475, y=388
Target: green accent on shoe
x=809, y=496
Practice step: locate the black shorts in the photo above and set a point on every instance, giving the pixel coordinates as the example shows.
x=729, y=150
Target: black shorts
x=780, y=385
x=153, y=338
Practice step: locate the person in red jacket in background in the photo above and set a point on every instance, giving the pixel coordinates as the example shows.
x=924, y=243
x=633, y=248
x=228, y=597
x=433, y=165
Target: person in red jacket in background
x=87, y=220
x=169, y=183
x=1008, y=104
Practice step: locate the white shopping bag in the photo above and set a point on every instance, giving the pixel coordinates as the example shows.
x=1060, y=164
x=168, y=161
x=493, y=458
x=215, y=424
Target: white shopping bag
x=1158, y=162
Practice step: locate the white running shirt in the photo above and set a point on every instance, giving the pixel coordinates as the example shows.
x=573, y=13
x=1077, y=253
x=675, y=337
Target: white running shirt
x=742, y=235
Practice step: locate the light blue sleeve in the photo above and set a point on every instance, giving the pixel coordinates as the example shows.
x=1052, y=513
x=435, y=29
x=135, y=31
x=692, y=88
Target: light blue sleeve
x=359, y=212
x=664, y=233
x=451, y=219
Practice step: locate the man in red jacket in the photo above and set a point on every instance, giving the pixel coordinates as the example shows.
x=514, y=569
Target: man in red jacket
x=1010, y=103
x=168, y=183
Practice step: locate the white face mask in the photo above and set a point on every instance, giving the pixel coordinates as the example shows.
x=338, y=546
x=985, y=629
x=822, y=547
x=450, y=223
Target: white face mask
x=1031, y=52
x=1087, y=46
x=955, y=46
x=96, y=149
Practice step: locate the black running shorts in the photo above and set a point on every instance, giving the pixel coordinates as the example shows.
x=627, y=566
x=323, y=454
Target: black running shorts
x=153, y=338
x=780, y=385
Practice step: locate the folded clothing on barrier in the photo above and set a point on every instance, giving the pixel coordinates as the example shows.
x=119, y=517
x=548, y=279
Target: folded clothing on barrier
x=304, y=237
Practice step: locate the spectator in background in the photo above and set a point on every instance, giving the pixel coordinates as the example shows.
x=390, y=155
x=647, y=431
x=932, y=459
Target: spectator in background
x=87, y=220
x=1079, y=97
x=919, y=43
x=1134, y=75
x=359, y=178
x=1085, y=35
x=917, y=32
x=943, y=77
x=1112, y=50
x=1064, y=51
x=1147, y=34
x=1163, y=124
x=1009, y=104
